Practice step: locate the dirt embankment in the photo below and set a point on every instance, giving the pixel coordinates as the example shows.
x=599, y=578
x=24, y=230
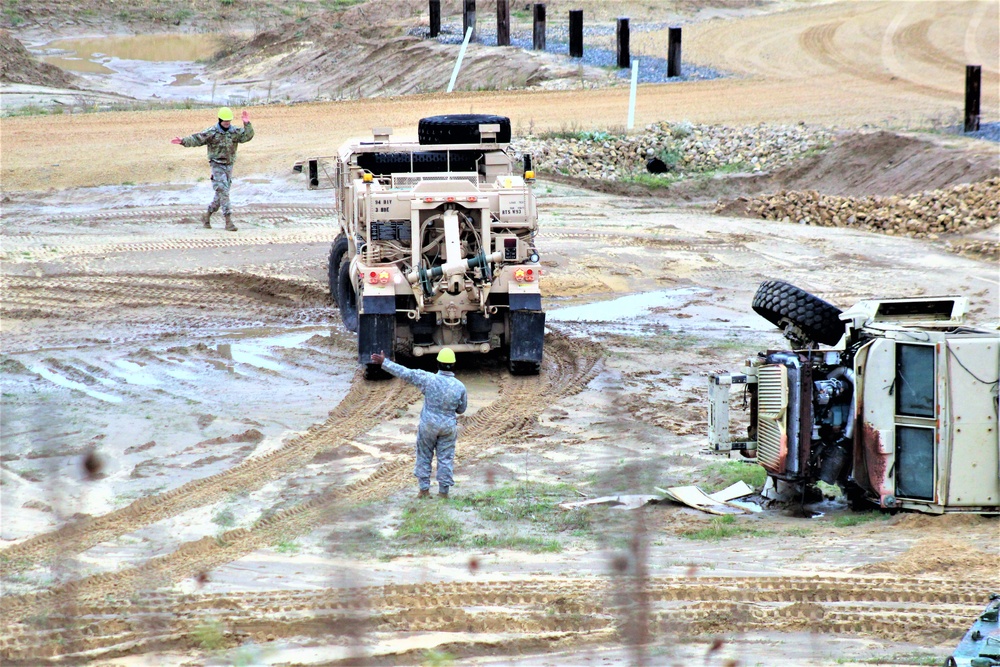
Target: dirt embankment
x=18, y=66
x=368, y=51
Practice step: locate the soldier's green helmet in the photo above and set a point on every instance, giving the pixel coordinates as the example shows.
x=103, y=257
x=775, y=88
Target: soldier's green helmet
x=446, y=356
x=225, y=113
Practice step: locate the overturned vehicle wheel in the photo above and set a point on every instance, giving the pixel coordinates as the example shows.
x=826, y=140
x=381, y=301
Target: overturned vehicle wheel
x=783, y=304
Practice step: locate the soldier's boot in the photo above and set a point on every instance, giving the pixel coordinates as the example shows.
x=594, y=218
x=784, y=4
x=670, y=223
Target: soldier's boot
x=443, y=493
x=206, y=220
x=424, y=493
x=230, y=227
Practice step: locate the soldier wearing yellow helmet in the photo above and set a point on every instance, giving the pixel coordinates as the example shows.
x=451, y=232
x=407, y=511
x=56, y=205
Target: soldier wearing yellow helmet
x=222, y=140
x=444, y=399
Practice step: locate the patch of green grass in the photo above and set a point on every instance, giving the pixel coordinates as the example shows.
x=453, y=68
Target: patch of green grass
x=859, y=518
x=521, y=14
x=535, y=545
x=798, y=532
x=531, y=503
x=717, y=476
x=338, y=5
x=723, y=527
x=209, y=636
x=426, y=523
x=435, y=658
x=224, y=518
x=652, y=181
x=11, y=13
x=286, y=546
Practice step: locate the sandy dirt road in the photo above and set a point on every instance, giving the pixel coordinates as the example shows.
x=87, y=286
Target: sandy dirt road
x=194, y=473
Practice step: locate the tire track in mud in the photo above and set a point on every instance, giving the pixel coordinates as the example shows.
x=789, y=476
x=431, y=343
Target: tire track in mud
x=57, y=251
x=624, y=240
x=883, y=607
x=569, y=366
x=364, y=406
x=158, y=214
x=75, y=296
x=818, y=43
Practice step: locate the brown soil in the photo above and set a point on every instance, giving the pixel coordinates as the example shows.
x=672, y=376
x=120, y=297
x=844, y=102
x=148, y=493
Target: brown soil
x=18, y=66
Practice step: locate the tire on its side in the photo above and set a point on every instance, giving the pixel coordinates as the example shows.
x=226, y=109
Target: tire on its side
x=777, y=301
x=347, y=298
x=460, y=128
x=333, y=266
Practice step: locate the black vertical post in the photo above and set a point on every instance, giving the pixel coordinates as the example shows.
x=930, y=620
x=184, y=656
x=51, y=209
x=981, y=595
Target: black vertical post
x=538, y=34
x=576, y=33
x=674, y=52
x=503, y=23
x=435, y=11
x=313, y=173
x=621, y=32
x=973, y=81
x=469, y=19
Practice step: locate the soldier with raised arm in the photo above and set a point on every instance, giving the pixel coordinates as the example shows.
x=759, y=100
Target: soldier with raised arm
x=444, y=399
x=222, y=140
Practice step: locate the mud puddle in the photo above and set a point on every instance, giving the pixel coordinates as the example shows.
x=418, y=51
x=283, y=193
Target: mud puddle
x=167, y=67
x=649, y=313
x=166, y=413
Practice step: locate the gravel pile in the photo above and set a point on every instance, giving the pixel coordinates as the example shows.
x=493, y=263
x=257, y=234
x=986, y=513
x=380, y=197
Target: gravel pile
x=961, y=209
x=685, y=149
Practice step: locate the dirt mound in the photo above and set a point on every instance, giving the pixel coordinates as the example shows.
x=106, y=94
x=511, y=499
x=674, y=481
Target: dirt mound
x=885, y=163
x=17, y=66
x=876, y=164
x=938, y=555
x=367, y=51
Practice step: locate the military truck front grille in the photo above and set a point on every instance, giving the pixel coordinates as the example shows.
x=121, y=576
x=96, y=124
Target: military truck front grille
x=772, y=418
x=393, y=230
x=408, y=181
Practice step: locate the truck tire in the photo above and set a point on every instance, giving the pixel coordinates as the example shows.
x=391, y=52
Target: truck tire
x=385, y=164
x=347, y=298
x=333, y=266
x=460, y=128
x=777, y=301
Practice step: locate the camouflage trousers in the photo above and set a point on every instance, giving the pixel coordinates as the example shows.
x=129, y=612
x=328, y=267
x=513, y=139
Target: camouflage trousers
x=222, y=178
x=434, y=439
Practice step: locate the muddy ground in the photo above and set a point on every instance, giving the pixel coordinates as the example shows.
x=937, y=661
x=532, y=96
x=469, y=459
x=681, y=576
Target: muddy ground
x=194, y=473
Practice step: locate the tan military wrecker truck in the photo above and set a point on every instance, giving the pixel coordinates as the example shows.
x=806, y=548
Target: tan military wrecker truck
x=437, y=243
x=894, y=400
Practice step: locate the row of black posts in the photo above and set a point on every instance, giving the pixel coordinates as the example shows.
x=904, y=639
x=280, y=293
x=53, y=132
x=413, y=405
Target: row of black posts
x=575, y=32
x=973, y=73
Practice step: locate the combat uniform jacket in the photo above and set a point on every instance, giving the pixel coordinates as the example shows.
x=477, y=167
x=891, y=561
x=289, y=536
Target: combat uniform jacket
x=444, y=395
x=221, y=143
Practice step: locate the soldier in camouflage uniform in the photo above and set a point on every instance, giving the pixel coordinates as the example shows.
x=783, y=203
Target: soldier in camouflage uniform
x=222, y=140
x=444, y=400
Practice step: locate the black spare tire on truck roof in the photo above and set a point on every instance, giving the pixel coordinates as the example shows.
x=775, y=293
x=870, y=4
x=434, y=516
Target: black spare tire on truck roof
x=777, y=301
x=385, y=164
x=462, y=128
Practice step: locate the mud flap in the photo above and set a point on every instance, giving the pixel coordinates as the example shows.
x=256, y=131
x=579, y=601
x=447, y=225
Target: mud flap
x=527, y=333
x=376, y=333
